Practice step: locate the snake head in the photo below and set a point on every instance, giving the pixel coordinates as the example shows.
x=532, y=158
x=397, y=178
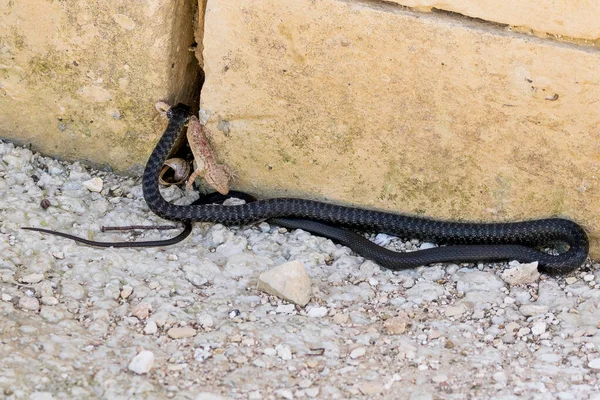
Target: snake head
x=179, y=112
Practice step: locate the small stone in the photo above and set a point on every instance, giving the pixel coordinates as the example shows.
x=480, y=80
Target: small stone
x=240, y=360
x=523, y=331
x=588, y=278
x=269, y=351
x=371, y=388
x=285, y=393
x=434, y=335
x=41, y=396
x=509, y=300
x=454, y=311
x=317, y=312
x=521, y=274
x=511, y=326
x=407, y=284
x=500, y=377
x=29, y=303
x=6, y=297
x=59, y=255
x=181, y=332
x=571, y=280
x=305, y=383
x=340, y=318
x=142, y=362
x=312, y=392
x=397, y=325
x=288, y=281
x=358, y=352
x=530, y=310
x=151, y=328
x=93, y=185
x=439, y=378
x=284, y=352
x=32, y=278
x=49, y=300
x=205, y=320
x=126, y=291
x=595, y=363
x=285, y=309
x=538, y=328
x=141, y=310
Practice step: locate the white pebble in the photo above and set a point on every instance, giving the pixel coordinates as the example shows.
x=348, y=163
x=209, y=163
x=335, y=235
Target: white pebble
x=317, y=312
x=521, y=273
x=285, y=309
x=29, y=303
x=500, y=377
x=284, y=352
x=588, y=278
x=205, y=320
x=269, y=351
x=151, y=328
x=142, y=362
x=32, y=278
x=538, y=328
x=410, y=282
x=126, y=291
x=358, y=352
x=49, y=300
x=288, y=281
x=93, y=185
x=595, y=363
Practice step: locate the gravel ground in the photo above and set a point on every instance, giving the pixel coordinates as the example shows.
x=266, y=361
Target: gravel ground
x=81, y=322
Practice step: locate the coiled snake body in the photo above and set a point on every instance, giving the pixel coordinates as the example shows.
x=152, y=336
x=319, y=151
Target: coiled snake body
x=467, y=242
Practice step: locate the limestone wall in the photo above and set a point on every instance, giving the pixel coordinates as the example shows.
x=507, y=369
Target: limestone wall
x=381, y=106
x=79, y=79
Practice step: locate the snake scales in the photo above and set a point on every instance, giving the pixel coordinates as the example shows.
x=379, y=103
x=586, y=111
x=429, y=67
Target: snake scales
x=468, y=242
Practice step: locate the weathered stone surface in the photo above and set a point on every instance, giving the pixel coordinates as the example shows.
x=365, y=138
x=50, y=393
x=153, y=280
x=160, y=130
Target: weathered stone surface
x=411, y=112
x=575, y=19
x=79, y=79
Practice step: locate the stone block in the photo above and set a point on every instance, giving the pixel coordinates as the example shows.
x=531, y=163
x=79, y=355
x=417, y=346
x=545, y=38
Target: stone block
x=373, y=105
x=79, y=79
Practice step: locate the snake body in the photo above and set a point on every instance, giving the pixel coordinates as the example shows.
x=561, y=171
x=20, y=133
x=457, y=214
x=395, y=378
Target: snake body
x=467, y=242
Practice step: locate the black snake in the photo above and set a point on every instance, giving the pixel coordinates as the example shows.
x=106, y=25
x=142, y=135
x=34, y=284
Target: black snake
x=470, y=241
x=465, y=242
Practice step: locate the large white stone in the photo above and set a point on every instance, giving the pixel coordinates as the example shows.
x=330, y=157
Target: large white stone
x=287, y=281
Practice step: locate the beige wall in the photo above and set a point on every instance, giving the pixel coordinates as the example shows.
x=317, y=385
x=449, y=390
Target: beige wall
x=79, y=79
x=370, y=103
x=411, y=112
